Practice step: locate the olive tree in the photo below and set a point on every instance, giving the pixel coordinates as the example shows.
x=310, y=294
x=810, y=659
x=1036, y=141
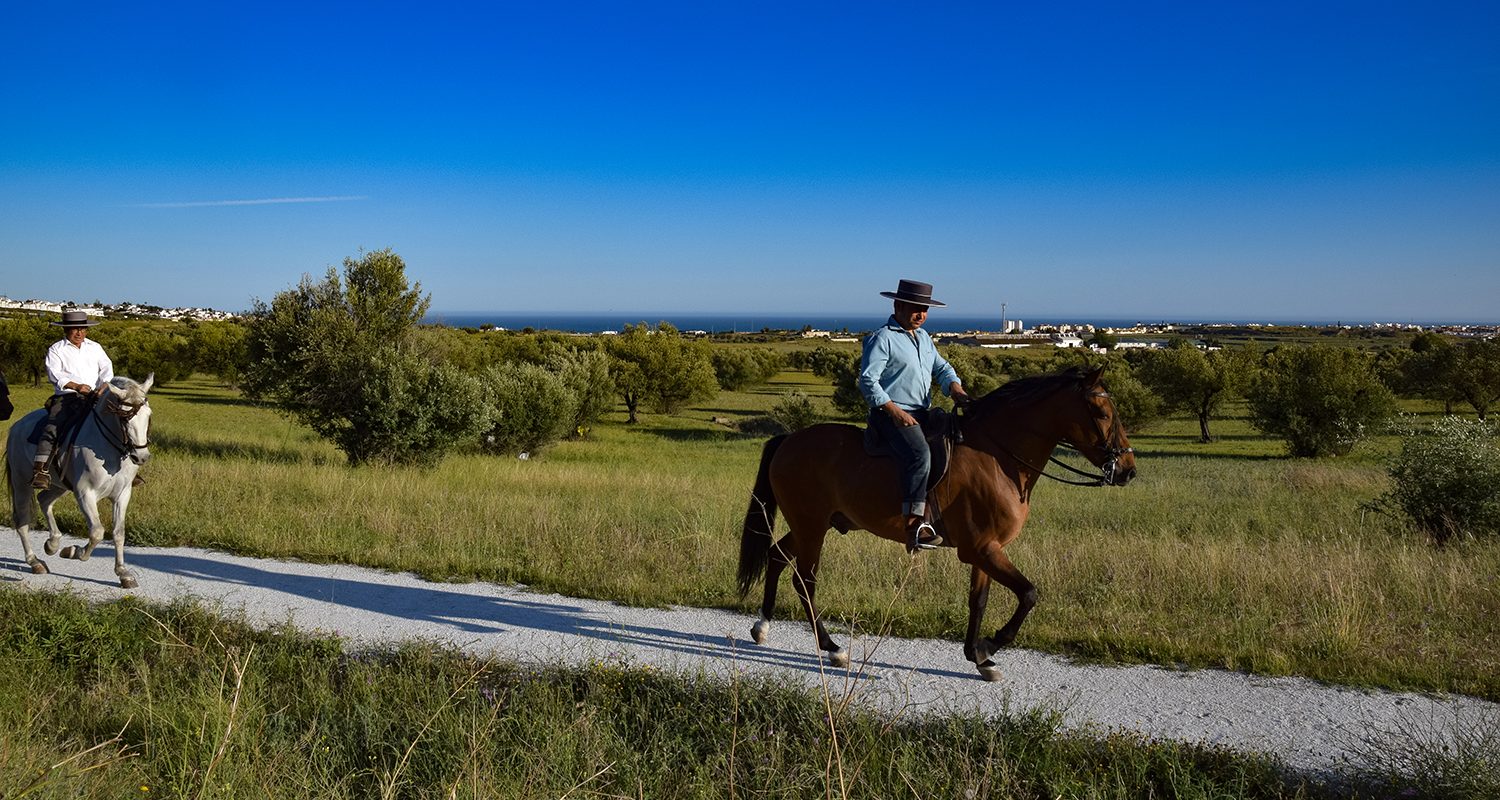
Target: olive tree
x=337, y=355
x=1189, y=379
x=1321, y=400
x=659, y=366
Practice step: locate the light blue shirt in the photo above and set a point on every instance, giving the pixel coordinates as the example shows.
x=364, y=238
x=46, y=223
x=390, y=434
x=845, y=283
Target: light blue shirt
x=901, y=366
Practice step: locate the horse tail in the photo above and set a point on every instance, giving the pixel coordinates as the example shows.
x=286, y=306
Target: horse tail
x=760, y=521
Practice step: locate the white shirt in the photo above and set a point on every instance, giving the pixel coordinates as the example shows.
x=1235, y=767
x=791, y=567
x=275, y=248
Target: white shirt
x=87, y=365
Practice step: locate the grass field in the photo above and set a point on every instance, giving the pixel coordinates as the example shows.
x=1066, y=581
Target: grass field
x=125, y=700
x=1224, y=555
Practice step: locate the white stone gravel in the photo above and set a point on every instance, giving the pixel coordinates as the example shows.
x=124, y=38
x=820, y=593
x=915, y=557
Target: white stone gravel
x=1311, y=727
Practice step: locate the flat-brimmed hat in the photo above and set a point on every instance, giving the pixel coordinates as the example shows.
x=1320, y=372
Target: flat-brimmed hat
x=76, y=319
x=914, y=292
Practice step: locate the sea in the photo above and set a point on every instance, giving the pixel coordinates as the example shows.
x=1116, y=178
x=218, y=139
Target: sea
x=750, y=322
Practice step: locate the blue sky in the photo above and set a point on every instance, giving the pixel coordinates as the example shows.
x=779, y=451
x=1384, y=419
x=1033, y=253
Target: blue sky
x=1267, y=160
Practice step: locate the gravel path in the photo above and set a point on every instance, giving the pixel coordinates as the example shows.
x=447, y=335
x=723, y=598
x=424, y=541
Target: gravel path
x=1311, y=727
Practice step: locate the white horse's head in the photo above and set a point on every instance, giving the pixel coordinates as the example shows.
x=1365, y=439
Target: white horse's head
x=127, y=400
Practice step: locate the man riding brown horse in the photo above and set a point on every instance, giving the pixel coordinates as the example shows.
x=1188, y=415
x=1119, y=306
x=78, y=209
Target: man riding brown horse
x=896, y=372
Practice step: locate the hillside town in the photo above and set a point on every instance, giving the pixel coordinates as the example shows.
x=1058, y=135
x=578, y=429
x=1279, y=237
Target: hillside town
x=116, y=310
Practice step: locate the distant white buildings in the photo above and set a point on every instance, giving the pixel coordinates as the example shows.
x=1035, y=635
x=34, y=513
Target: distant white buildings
x=117, y=310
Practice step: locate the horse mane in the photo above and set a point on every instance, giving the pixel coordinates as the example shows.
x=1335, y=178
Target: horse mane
x=1023, y=391
x=134, y=393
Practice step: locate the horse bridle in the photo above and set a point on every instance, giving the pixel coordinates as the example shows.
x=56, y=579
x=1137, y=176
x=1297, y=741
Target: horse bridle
x=1111, y=451
x=123, y=412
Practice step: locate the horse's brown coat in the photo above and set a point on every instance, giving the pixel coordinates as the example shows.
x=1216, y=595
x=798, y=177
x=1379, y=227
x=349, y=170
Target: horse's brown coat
x=823, y=472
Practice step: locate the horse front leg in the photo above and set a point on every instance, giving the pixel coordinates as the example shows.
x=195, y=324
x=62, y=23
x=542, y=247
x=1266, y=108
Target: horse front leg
x=127, y=579
x=88, y=505
x=996, y=564
x=974, y=650
x=780, y=558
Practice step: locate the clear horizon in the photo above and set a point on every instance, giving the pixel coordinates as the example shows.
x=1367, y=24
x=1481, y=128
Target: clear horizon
x=1096, y=157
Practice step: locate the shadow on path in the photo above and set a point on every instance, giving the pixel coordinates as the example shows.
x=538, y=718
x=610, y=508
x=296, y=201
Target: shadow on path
x=479, y=614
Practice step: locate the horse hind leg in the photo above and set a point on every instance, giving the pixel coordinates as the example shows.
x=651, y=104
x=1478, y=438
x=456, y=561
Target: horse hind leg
x=805, y=581
x=23, y=529
x=47, y=499
x=780, y=558
x=22, y=516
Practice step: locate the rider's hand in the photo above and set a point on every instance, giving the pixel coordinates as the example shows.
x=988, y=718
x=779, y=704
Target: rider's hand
x=903, y=419
x=961, y=400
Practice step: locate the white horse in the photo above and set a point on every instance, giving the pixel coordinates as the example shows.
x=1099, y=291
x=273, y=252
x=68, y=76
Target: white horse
x=100, y=462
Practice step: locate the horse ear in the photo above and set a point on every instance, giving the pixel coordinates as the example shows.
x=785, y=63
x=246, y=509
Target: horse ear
x=150, y=379
x=1092, y=377
x=115, y=390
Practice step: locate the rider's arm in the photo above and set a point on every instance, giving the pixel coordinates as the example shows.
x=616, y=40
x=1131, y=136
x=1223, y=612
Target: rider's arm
x=871, y=367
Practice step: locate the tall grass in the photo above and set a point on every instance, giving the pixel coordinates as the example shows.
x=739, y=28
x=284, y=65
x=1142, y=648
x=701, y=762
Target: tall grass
x=127, y=700
x=1217, y=555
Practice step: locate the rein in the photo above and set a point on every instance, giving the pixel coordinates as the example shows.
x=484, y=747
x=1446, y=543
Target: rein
x=124, y=413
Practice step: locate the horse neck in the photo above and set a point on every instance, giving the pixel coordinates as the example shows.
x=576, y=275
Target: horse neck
x=1023, y=436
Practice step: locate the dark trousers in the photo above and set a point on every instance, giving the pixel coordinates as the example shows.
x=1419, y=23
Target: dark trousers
x=60, y=409
x=909, y=445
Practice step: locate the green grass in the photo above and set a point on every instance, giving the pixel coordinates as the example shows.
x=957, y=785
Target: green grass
x=1224, y=554
x=129, y=700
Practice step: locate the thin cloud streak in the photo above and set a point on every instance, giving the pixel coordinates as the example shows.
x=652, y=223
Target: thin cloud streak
x=261, y=202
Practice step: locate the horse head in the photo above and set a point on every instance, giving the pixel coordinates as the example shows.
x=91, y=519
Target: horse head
x=1072, y=406
x=1101, y=436
x=126, y=401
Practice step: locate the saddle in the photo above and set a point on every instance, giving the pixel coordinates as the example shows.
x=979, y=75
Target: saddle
x=69, y=423
x=942, y=433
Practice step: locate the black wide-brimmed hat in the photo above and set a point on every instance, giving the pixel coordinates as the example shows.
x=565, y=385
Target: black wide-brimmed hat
x=76, y=319
x=914, y=292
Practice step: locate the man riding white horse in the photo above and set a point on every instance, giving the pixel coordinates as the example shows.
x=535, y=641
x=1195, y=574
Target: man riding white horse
x=78, y=368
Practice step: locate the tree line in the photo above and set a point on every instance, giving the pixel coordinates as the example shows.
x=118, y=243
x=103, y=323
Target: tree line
x=346, y=356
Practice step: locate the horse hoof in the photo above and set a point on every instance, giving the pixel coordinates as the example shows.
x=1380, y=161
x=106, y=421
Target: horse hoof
x=128, y=583
x=990, y=671
x=69, y=552
x=39, y=568
x=51, y=547
x=839, y=658
x=760, y=631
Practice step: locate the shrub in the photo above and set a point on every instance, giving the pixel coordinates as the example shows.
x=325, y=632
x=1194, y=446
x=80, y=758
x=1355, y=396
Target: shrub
x=1444, y=481
x=137, y=349
x=586, y=375
x=531, y=408
x=737, y=369
x=793, y=412
x=1321, y=400
x=405, y=410
x=338, y=356
x=842, y=370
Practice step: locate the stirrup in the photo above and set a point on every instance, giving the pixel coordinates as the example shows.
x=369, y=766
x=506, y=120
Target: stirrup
x=923, y=537
x=40, y=478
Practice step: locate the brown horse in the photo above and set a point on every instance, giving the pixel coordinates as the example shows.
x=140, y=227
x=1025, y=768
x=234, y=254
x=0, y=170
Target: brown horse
x=821, y=477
